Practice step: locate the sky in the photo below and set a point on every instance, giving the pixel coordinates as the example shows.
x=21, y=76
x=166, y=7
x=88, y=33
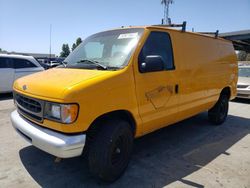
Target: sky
x=25, y=24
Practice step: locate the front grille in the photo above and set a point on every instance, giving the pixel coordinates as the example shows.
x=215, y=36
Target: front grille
x=30, y=115
x=28, y=103
x=29, y=107
x=242, y=86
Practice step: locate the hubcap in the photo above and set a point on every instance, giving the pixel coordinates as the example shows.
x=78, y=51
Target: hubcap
x=117, y=152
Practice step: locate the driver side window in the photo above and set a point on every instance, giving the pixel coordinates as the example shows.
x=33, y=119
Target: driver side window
x=158, y=43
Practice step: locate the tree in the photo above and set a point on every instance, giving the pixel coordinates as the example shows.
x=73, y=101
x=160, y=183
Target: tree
x=73, y=46
x=78, y=41
x=0, y=49
x=65, y=50
x=242, y=55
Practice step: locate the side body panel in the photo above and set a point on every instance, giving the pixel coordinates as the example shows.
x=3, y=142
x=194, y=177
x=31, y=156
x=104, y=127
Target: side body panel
x=207, y=65
x=204, y=67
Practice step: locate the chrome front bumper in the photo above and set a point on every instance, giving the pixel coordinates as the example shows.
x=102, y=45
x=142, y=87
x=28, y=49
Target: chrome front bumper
x=57, y=144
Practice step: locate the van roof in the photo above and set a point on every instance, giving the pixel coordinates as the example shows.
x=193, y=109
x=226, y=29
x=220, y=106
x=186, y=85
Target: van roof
x=167, y=29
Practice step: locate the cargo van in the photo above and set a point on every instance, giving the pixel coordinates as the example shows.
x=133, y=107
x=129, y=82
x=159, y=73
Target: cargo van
x=119, y=85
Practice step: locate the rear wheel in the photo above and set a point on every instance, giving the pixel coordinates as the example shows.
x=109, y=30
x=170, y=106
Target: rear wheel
x=218, y=114
x=110, y=152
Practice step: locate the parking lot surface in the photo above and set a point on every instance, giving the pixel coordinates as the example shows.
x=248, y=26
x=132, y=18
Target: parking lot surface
x=192, y=153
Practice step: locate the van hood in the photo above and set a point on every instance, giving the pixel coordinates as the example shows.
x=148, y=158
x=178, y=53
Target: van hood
x=52, y=83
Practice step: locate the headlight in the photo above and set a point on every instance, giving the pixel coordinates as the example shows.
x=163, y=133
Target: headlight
x=65, y=113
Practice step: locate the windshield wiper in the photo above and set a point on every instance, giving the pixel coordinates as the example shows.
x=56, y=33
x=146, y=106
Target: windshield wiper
x=93, y=62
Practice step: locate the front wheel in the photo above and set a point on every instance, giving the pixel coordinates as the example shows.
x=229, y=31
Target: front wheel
x=218, y=114
x=110, y=152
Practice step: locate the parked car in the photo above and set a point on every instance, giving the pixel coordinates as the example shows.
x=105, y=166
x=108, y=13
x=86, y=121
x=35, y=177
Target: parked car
x=43, y=64
x=48, y=63
x=15, y=66
x=243, y=86
x=121, y=84
x=53, y=64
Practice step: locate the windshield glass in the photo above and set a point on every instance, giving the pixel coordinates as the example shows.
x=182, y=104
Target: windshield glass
x=105, y=50
x=244, y=72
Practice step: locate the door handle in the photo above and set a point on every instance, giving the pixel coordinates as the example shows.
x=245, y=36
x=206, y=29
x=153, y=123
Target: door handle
x=176, y=88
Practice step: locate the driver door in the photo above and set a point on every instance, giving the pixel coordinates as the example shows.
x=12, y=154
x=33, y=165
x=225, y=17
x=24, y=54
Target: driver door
x=157, y=91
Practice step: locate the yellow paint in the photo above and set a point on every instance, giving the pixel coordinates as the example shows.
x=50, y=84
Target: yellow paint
x=203, y=67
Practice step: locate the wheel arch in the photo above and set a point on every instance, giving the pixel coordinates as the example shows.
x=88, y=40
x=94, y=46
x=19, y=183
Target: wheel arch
x=117, y=114
x=226, y=91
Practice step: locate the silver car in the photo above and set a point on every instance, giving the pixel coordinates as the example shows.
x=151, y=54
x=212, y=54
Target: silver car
x=243, y=86
x=13, y=67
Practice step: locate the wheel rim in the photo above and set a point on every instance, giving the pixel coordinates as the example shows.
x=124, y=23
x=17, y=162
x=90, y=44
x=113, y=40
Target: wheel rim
x=117, y=156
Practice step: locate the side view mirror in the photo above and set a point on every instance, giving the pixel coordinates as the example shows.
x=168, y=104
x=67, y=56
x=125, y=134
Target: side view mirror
x=152, y=63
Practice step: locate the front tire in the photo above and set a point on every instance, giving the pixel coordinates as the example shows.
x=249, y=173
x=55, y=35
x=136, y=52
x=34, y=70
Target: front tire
x=110, y=151
x=218, y=114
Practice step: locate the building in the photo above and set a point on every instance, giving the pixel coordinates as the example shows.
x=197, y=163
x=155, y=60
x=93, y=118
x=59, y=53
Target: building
x=240, y=39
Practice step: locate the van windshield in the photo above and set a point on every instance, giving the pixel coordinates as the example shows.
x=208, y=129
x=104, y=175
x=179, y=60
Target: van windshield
x=105, y=50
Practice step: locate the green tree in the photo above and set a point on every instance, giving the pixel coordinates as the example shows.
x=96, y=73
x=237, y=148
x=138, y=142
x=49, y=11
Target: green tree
x=242, y=55
x=0, y=49
x=65, y=50
x=73, y=46
x=78, y=41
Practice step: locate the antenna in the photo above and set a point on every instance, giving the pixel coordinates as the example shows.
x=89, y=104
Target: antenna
x=166, y=20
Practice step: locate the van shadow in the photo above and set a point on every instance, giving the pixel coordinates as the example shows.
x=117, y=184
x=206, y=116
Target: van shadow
x=241, y=100
x=6, y=96
x=158, y=159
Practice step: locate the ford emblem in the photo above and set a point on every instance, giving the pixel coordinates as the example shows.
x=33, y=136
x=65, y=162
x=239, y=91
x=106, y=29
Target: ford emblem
x=24, y=87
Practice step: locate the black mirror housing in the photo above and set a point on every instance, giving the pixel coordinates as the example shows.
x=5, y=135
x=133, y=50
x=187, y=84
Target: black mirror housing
x=152, y=63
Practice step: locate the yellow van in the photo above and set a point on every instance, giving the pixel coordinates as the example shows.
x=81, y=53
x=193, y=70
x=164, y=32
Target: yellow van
x=122, y=84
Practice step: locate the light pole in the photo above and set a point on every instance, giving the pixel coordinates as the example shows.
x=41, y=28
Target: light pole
x=50, y=28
